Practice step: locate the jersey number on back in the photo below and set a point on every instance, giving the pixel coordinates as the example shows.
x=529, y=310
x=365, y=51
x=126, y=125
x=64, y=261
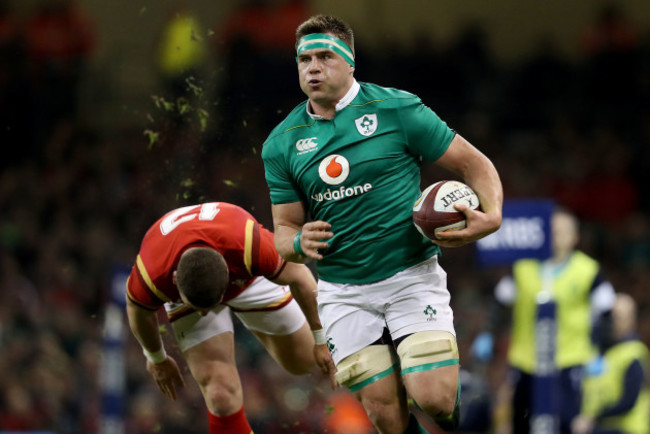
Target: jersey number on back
x=208, y=212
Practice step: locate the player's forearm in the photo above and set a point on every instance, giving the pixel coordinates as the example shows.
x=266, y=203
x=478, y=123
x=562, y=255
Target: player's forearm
x=483, y=178
x=284, y=243
x=288, y=220
x=144, y=326
x=305, y=296
x=477, y=171
x=303, y=287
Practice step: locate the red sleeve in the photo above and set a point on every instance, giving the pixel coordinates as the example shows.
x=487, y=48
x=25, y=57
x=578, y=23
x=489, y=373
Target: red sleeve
x=265, y=259
x=139, y=293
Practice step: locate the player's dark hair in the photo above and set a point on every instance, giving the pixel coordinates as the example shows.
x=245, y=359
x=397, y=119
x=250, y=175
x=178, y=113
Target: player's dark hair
x=326, y=24
x=202, y=276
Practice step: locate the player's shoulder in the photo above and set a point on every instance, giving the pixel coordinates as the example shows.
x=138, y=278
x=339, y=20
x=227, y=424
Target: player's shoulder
x=370, y=93
x=295, y=120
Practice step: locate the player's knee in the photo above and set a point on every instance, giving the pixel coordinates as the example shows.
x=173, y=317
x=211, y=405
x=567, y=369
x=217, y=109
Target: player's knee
x=381, y=412
x=440, y=403
x=222, y=395
x=366, y=366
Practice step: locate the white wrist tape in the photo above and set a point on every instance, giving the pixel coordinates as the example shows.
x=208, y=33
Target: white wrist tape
x=156, y=356
x=319, y=336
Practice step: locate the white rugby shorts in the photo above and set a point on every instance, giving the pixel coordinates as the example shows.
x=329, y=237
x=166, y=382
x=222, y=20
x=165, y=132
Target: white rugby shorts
x=413, y=300
x=264, y=307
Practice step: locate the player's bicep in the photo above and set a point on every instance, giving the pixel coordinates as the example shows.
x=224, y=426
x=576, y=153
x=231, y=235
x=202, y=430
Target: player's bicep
x=269, y=262
x=289, y=215
x=460, y=157
x=138, y=293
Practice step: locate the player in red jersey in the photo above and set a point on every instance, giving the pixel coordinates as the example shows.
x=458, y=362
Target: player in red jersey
x=201, y=262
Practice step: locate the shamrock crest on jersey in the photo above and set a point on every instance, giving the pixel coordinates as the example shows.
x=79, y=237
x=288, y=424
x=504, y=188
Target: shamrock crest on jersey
x=366, y=124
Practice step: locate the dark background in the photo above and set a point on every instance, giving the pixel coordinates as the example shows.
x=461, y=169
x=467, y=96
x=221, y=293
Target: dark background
x=100, y=137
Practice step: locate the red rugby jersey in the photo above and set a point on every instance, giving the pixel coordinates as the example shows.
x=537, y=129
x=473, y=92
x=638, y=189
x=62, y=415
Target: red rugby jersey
x=246, y=246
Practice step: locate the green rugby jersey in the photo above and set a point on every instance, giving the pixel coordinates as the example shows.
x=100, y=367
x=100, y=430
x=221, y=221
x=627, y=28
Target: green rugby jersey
x=360, y=172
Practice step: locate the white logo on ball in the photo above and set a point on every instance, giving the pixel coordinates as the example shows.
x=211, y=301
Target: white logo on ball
x=334, y=169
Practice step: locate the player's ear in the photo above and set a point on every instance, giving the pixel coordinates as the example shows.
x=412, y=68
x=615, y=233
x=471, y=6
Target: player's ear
x=174, y=277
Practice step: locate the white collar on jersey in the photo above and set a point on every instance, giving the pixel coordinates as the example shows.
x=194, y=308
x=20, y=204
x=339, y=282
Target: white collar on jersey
x=343, y=102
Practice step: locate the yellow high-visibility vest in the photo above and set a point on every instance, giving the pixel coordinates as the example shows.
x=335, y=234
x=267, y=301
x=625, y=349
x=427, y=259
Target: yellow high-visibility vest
x=605, y=389
x=571, y=291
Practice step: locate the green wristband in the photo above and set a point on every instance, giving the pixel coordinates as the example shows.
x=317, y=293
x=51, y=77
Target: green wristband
x=296, y=244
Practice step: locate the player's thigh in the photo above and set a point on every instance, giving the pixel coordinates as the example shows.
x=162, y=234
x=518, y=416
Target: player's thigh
x=435, y=389
x=268, y=308
x=212, y=364
x=293, y=351
x=191, y=329
x=284, y=332
x=385, y=402
x=419, y=301
x=207, y=343
x=350, y=323
x=372, y=375
x=429, y=362
x=213, y=360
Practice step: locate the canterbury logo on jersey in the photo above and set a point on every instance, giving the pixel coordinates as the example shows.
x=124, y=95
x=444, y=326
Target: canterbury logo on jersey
x=306, y=145
x=333, y=170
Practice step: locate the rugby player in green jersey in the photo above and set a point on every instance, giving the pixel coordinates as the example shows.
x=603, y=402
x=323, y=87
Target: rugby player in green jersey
x=343, y=171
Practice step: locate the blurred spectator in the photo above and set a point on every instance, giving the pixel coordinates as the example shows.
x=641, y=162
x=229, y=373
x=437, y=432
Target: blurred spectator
x=257, y=42
x=612, y=31
x=580, y=297
x=610, y=82
x=617, y=397
x=13, y=108
x=19, y=411
x=59, y=40
x=601, y=187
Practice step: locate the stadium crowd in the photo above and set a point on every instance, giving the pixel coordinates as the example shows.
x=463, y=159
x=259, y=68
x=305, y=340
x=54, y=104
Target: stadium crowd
x=75, y=202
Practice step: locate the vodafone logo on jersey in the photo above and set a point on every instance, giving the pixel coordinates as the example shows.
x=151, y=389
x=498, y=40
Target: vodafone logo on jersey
x=334, y=169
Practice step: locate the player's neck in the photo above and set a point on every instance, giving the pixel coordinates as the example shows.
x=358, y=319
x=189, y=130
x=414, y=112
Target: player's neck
x=327, y=107
x=324, y=110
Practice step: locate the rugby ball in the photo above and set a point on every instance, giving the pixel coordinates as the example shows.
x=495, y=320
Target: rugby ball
x=434, y=210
